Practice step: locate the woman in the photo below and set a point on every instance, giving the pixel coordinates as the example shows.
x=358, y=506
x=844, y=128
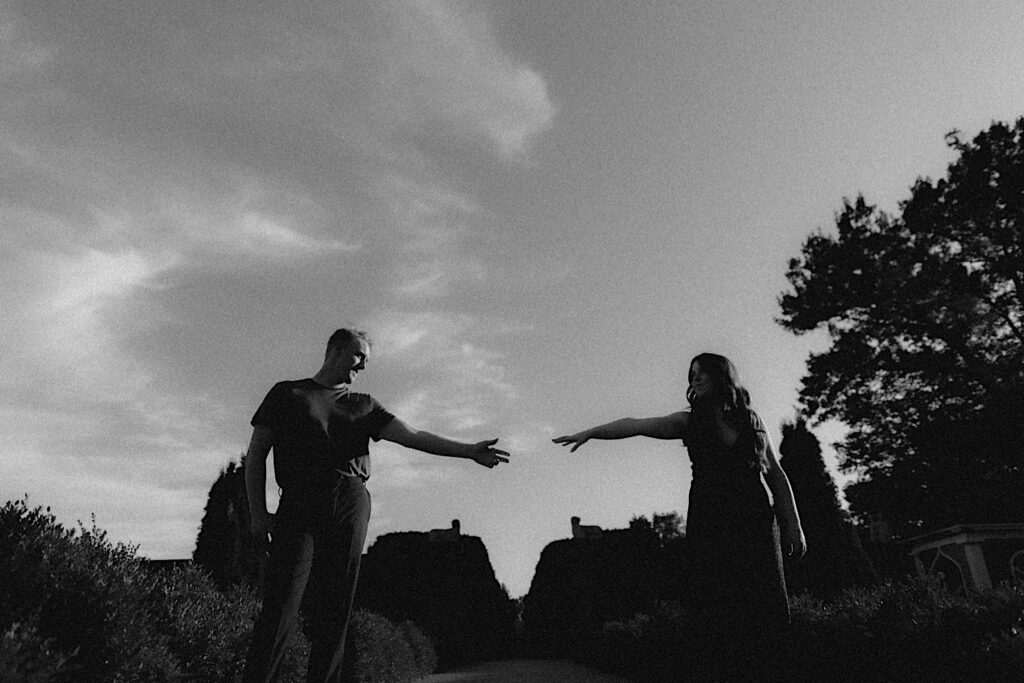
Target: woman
x=732, y=530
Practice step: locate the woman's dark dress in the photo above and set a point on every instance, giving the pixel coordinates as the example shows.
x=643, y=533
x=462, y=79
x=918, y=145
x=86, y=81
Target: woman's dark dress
x=733, y=537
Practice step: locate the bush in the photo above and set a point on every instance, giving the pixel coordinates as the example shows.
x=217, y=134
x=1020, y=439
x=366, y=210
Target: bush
x=27, y=658
x=84, y=596
x=423, y=651
x=209, y=630
x=896, y=631
x=382, y=654
x=911, y=630
x=76, y=607
x=660, y=646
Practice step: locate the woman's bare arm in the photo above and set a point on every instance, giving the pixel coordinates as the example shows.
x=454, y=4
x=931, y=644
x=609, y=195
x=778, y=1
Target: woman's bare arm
x=793, y=541
x=666, y=427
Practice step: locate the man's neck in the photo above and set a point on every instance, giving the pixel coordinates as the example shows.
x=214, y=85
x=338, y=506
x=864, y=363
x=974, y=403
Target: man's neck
x=328, y=380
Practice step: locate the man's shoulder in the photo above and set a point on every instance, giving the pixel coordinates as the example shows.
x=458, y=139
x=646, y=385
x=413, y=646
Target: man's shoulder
x=285, y=391
x=288, y=384
x=361, y=399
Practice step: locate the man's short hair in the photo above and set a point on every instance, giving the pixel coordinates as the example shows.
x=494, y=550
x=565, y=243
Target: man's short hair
x=344, y=336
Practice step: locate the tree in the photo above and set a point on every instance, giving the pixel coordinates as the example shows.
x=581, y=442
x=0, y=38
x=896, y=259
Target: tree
x=447, y=588
x=925, y=310
x=835, y=558
x=663, y=526
x=224, y=546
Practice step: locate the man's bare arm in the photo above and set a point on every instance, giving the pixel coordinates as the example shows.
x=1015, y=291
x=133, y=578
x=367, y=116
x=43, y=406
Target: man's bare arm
x=482, y=452
x=256, y=481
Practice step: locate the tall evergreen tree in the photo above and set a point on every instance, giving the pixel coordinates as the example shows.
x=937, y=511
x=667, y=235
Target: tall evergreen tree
x=835, y=558
x=224, y=547
x=925, y=311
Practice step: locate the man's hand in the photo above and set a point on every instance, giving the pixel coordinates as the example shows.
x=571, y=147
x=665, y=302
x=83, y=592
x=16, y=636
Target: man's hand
x=485, y=453
x=262, y=526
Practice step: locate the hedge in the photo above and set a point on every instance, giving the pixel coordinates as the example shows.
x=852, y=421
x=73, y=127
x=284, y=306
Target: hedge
x=76, y=607
x=911, y=630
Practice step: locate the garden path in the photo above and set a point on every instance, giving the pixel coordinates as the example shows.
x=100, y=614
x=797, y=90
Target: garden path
x=524, y=671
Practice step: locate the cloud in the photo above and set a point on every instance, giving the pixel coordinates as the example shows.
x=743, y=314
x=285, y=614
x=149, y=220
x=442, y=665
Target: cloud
x=530, y=437
x=258, y=231
x=449, y=64
x=188, y=172
x=367, y=71
x=433, y=227
x=162, y=520
x=18, y=54
x=249, y=219
x=459, y=380
x=67, y=318
x=399, y=468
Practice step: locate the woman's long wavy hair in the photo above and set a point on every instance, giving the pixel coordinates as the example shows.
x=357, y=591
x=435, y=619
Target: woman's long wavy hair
x=730, y=396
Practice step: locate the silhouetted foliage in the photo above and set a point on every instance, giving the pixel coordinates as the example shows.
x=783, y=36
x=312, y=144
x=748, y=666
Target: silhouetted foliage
x=580, y=584
x=77, y=607
x=925, y=310
x=384, y=652
x=665, y=526
x=912, y=631
x=447, y=588
x=25, y=657
x=225, y=547
x=835, y=558
x=423, y=651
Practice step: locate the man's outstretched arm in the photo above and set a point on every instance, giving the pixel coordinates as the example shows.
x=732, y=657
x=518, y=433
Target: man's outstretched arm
x=256, y=482
x=482, y=452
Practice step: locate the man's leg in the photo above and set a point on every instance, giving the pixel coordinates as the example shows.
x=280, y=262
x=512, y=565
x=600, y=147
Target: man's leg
x=288, y=570
x=339, y=550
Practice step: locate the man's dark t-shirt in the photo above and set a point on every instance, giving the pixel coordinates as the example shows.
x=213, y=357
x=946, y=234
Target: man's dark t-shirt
x=320, y=434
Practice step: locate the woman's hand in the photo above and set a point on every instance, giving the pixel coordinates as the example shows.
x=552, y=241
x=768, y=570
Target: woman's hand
x=793, y=541
x=577, y=439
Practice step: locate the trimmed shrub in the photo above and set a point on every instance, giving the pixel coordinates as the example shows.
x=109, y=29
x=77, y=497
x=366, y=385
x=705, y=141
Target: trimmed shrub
x=447, y=588
x=897, y=631
x=382, y=654
x=423, y=651
x=27, y=658
x=209, y=630
x=76, y=607
x=914, y=630
x=84, y=596
x=660, y=646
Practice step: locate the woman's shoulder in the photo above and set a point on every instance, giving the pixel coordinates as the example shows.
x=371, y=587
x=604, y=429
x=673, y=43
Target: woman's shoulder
x=684, y=418
x=686, y=426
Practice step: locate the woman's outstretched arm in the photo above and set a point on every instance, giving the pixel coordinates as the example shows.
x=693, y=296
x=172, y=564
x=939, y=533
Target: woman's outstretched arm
x=665, y=427
x=793, y=541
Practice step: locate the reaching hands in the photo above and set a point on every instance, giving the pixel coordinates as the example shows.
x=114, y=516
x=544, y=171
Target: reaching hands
x=577, y=439
x=485, y=453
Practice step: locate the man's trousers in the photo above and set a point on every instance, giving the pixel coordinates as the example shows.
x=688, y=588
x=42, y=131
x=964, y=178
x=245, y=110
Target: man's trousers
x=318, y=560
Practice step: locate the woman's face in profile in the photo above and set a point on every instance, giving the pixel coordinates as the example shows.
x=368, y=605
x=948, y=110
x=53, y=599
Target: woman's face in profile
x=702, y=384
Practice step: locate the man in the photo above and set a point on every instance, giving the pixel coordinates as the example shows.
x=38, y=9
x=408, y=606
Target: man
x=320, y=432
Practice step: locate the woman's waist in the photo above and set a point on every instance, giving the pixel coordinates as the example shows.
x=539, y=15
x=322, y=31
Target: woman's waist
x=320, y=497
x=735, y=475
x=734, y=491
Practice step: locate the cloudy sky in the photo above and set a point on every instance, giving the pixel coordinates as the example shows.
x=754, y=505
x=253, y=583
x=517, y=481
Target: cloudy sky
x=540, y=210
